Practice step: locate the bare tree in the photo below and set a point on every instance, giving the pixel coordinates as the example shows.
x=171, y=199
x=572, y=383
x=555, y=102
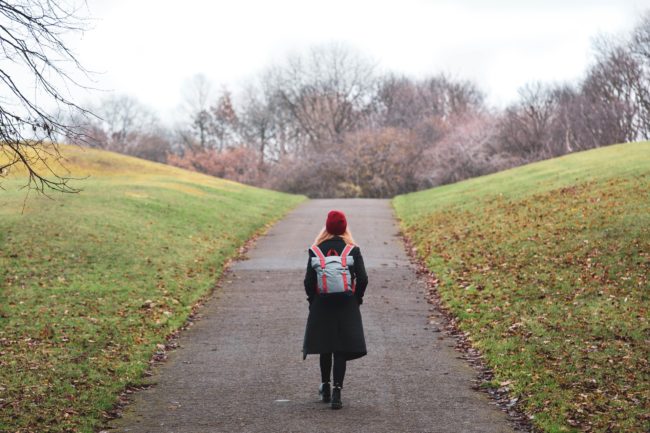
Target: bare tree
x=567, y=127
x=123, y=124
x=33, y=61
x=259, y=128
x=404, y=102
x=640, y=50
x=641, y=38
x=428, y=106
x=444, y=97
x=398, y=103
x=122, y=117
x=524, y=127
x=611, y=91
x=197, y=96
x=326, y=92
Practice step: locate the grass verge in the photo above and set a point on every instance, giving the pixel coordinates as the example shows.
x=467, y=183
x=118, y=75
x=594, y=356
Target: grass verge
x=90, y=283
x=546, y=267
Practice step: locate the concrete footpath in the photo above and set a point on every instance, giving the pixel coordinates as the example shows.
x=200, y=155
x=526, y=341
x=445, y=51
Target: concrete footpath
x=240, y=367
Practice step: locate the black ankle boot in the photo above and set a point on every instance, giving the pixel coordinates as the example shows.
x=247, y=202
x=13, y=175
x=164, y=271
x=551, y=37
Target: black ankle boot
x=336, y=398
x=324, y=392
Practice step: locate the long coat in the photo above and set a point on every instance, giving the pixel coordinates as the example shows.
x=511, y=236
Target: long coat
x=334, y=323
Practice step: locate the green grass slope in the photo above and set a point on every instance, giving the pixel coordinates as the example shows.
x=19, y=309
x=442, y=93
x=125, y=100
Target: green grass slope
x=546, y=267
x=90, y=283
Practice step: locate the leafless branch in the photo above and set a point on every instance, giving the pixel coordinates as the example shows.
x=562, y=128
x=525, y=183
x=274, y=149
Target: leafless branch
x=32, y=44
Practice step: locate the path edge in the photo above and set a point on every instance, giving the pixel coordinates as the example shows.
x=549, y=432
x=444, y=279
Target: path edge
x=515, y=415
x=170, y=341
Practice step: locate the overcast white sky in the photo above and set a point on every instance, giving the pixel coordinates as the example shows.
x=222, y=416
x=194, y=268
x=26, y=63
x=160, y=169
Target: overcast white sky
x=148, y=48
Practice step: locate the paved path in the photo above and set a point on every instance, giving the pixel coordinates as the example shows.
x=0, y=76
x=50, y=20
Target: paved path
x=240, y=368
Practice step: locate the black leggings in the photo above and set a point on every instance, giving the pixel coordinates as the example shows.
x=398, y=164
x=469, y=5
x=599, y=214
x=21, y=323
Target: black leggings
x=339, y=367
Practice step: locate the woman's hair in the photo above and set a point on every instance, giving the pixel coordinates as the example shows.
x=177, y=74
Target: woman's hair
x=324, y=235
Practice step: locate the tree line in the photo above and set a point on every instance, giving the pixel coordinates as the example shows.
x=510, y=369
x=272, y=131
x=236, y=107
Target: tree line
x=326, y=123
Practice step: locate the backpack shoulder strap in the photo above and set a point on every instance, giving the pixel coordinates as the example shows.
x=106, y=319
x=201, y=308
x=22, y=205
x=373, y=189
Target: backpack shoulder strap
x=321, y=258
x=345, y=253
x=319, y=254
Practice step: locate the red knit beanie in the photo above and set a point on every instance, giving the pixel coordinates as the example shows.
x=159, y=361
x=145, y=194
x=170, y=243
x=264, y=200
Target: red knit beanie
x=336, y=223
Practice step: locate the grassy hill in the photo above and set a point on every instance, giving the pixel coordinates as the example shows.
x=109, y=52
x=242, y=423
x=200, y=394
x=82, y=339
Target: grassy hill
x=90, y=283
x=546, y=267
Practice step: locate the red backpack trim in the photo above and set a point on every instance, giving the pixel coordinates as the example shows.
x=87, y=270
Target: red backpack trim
x=344, y=263
x=321, y=257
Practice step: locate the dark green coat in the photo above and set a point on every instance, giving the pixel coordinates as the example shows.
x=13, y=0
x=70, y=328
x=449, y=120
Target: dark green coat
x=334, y=323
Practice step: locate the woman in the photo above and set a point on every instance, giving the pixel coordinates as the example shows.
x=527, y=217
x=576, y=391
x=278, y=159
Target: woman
x=335, y=283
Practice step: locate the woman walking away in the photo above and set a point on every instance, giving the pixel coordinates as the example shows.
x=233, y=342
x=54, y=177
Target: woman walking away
x=335, y=283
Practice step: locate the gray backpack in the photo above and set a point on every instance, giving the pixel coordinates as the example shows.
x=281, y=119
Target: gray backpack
x=333, y=272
